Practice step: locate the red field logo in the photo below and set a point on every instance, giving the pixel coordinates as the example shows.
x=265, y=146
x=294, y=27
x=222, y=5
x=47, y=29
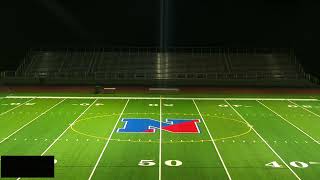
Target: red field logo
x=146, y=125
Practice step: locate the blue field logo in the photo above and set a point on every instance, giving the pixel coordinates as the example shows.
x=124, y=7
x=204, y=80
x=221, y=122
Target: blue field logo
x=147, y=125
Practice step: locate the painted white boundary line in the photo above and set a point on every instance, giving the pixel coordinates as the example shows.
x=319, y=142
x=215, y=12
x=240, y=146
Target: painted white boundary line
x=66, y=130
x=304, y=108
x=69, y=127
x=31, y=121
x=289, y=122
x=263, y=140
x=170, y=98
x=16, y=107
x=106, y=145
x=160, y=140
x=214, y=144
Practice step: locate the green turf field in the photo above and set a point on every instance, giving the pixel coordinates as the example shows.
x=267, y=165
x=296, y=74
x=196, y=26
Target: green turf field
x=237, y=137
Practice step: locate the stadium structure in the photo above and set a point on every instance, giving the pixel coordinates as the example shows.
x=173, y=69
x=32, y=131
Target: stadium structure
x=179, y=66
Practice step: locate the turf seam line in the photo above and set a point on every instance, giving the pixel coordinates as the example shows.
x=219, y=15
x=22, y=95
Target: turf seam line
x=31, y=121
x=264, y=141
x=169, y=98
x=106, y=145
x=214, y=144
x=16, y=107
x=289, y=122
x=160, y=139
x=305, y=108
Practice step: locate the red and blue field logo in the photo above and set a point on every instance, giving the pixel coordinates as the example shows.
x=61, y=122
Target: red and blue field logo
x=147, y=125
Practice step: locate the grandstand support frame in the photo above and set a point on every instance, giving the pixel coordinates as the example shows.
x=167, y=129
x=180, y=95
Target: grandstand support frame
x=94, y=54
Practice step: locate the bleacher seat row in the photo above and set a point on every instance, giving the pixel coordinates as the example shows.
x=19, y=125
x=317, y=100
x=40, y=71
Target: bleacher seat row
x=100, y=64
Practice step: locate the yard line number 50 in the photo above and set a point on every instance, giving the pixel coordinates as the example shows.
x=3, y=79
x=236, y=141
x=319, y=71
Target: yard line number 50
x=172, y=163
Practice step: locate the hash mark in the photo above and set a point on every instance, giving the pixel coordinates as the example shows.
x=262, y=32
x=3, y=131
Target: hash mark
x=314, y=162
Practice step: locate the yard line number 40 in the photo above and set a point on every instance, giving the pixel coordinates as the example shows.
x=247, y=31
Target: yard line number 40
x=172, y=163
x=296, y=164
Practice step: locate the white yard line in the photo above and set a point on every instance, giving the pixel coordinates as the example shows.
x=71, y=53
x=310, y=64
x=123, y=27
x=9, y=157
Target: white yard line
x=69, y=127
x=31, y=121
x=170, y=98
x=289, y=122
x=263, y=140
x=305, y=108
x=66, y=130
x=160, y=142
x=16, y=107
x=212, y=140
x=106, y=145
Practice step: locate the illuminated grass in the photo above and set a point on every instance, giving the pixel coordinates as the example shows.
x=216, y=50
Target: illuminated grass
x=263, y=139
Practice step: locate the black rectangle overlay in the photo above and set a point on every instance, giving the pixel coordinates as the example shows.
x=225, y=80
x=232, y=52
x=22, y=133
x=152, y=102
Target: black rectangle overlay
x=27, y=166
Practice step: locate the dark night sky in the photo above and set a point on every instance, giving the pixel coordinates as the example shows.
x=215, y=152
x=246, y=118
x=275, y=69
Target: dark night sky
x=262, y=23
x=104, y=23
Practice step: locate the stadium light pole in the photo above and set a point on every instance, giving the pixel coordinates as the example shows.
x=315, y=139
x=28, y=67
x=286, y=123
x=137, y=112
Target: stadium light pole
x=163, y=25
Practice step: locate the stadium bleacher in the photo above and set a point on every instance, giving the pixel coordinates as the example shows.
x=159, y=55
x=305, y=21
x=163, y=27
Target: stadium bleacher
x=207, y=67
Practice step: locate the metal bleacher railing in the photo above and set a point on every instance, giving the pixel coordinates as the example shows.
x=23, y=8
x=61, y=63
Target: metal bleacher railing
x=147, y=76
x=152, y=50
x=87, y=60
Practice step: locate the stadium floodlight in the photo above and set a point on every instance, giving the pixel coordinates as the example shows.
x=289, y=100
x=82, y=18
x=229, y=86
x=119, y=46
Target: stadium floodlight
x=164, y=16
